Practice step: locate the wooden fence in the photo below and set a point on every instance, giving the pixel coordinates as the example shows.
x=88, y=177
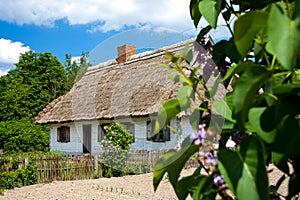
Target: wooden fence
x=62, y=168
x=80, y=167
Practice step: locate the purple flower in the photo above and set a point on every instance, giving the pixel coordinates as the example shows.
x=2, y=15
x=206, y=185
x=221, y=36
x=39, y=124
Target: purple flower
x=219, y=181
x=210, y=159
x=198, y=136
x=237, y=137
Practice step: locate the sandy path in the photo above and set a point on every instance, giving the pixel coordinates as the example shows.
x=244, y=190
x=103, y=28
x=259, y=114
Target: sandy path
x=125, y=188
x=128, y=187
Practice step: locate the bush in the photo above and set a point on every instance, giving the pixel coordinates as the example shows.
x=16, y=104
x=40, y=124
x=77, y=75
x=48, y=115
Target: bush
x=115, y=147
x=260, y=110
x=18, y=178
x=23, y=136
x=118, y=135
x=138, y=168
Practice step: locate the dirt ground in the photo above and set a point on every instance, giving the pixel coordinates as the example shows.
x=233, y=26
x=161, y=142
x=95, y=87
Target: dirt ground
x=125, y=188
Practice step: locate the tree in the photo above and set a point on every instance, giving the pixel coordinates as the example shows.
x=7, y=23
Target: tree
x=37, y=80
x=261, y=113
x=23, y=136
x=75, y=69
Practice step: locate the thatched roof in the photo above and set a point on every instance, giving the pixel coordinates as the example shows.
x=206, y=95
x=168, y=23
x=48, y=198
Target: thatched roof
x=137, y=87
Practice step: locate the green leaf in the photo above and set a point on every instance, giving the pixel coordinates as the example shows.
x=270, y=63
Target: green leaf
x=158, y=176
x=185, y=94
x=283, y=36
x=172, y=162
x=296, y=9
x=232, y=52
x=203, y=32
x=194, y=12
x=246, y=89
x=280, y=161
x=210, y=10
x=247, y=27
x=200, y=186
x=223, y=109
x=227, y=15
x=187, y=54
x=196, y=115
x=285, y=90
x=167, y=112
x=178, y=78
x=195, y=118
x=255, y=115
x=172, y=58
x=236, y=69
x=244, y=170
x=294, y=183
x=288, y=136
x=182, y=189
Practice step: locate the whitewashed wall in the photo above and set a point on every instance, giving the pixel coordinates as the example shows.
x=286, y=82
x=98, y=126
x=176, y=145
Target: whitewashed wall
x=141, y=143
x=75, y=144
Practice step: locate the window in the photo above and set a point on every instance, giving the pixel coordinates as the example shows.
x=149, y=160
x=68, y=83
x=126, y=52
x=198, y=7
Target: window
x=63, y=134
x=162, y=136
x=101, y=132
x=130, y=127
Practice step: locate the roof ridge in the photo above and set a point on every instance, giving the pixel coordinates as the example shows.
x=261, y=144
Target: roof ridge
x=141, y=56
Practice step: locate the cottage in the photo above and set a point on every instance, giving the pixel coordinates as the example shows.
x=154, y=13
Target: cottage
x=130, y=89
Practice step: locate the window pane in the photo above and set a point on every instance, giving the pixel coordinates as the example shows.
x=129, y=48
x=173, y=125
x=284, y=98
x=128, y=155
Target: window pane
x=130, y=127
x=149, y=130
x=63, y=134
x=166, y=131
x=101, y=132
x=58, y=134
x=67, y=134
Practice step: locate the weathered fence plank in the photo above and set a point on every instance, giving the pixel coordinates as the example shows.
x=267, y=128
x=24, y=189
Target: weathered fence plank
x=79, y=167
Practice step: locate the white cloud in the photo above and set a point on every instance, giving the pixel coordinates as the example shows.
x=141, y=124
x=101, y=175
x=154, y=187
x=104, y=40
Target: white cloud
x=103, y=15
x=10, y=51
x=75, y=59
x=3, y=72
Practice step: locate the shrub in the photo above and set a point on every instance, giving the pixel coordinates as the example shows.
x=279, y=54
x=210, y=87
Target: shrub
x=260, y=111
x=23, y=136
x=115, y=146
x=18, y=178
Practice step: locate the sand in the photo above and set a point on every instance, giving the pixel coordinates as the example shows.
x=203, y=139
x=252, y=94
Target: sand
x=125, y=188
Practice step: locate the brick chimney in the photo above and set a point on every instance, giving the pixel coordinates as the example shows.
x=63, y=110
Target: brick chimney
x=124, y=52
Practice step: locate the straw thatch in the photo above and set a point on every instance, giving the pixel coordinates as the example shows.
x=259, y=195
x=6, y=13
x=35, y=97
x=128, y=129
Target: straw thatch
x=137, y=87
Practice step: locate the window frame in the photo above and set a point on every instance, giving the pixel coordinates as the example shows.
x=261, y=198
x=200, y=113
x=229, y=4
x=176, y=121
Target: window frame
x=101, y=132
x=63, y=134
x=163, y=135
x=130, y=126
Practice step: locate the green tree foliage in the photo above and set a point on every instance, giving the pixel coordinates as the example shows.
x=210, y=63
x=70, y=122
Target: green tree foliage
x=37, y=79
x=261, y=114
x=75, y=69
x=23, y=136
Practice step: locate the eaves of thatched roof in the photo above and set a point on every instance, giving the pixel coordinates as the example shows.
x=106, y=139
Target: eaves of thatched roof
x=109, y=90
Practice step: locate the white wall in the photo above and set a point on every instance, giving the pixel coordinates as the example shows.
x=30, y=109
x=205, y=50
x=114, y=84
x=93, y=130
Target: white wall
x=141, y=143
x=75, y=144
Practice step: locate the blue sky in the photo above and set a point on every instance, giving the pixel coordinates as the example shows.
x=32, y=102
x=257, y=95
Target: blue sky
x=74, y=26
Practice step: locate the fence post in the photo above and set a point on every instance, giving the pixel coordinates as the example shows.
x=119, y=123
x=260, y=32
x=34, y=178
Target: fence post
x=95, y=165
x=26, y=162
